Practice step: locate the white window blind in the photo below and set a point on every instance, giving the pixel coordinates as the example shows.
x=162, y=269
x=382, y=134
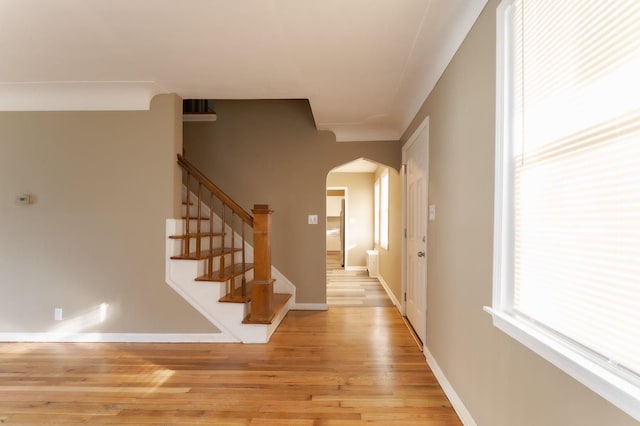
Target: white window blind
x=574, y=140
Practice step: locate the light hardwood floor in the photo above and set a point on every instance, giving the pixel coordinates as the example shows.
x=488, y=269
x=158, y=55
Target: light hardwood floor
x=352, y=288
x=339, y=367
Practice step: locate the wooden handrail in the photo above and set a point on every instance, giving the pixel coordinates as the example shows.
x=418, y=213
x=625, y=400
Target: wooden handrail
x=215, y=190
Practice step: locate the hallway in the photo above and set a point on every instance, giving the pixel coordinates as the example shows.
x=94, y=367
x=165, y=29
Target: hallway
x=352, y=288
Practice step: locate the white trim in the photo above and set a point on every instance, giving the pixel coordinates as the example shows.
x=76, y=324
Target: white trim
x=282, y=283
x=403, y=246
x=392, y=296
x=456, y=402
x=613, y=388
x=117, y=337
x=79, y=95
x=502, y=191
x=309, y=307
x=424, y=125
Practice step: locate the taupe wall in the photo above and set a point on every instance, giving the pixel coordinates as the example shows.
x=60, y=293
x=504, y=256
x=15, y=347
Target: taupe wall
x=269, y=151
x=500, y=382
x=390, y=260
x=359, y=221
x=103, y=185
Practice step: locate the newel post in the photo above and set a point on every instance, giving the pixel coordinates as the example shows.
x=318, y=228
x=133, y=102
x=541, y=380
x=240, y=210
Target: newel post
x=262, y=284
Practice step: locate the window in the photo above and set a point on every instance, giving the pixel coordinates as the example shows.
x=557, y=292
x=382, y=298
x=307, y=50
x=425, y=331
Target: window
x=567, y=225
x=381, y=210
x=384, y=210
x=376, y=212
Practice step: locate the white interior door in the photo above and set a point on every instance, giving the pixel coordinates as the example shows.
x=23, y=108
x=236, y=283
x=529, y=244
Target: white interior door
x=416, y=155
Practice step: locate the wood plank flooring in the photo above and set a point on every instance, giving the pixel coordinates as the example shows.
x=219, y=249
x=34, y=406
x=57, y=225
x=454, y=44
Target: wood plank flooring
x=355, y=289
x=339, y=367
x=352, y=288
x=334, y=260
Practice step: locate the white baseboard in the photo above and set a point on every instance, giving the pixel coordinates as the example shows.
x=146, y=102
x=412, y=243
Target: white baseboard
x=392, y=296
x=309, y=307
x=456, y=402
x=117, y=337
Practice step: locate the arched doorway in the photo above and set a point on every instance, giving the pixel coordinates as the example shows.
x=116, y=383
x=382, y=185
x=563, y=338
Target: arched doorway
x=354, y=221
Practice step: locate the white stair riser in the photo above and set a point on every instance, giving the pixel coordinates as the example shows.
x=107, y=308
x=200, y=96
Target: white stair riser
x=204, y=243
x=207, y=293
x=205, y=227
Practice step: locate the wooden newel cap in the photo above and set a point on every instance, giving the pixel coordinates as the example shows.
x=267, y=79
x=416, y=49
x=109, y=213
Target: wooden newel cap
x=261, y=208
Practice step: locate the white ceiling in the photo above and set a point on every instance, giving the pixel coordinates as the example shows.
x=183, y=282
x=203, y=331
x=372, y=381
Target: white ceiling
x=366, y=66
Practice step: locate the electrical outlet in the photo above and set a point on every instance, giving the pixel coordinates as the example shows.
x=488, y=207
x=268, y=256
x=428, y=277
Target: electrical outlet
x=57, y=314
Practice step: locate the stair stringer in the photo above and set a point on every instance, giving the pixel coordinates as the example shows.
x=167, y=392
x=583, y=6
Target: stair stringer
x=203, y=296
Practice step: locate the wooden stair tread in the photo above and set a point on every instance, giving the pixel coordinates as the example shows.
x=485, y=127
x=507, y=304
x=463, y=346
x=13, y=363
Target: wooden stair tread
x=195, y=217
x=195, y=235
x=238, y=298
x=205, y=254
x=279, y=302
x=226, y=274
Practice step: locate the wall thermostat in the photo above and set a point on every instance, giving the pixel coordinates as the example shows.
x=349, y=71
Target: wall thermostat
x=23, y=199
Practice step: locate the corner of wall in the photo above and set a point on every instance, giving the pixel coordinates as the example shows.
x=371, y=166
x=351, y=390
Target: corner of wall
x=177, y=149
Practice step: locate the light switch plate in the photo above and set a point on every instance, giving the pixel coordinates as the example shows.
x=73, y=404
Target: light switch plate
x=432, y=212
x=313, y=219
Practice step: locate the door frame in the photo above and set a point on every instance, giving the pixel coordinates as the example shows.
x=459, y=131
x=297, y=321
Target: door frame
x=346, y=226
x=423, y=126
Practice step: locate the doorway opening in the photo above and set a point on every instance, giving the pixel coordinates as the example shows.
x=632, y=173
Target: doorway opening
x=336, y=214
x=353, y=204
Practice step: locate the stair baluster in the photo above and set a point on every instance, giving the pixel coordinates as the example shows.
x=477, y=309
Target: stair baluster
x=209, y=263
x=244, y=277
x=187, y=241
x=198, y=227
x=224, y=244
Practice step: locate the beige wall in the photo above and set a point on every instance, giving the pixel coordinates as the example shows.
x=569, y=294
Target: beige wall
x=269, y=151
x=390, y=260
x=359, y=220
x=500, y=381
x=103, y=185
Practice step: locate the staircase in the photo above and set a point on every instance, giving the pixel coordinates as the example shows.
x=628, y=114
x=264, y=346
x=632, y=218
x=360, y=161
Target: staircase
x=211, y=263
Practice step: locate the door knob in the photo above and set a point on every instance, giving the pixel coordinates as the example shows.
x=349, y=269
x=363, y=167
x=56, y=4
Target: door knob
x=420, y=254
